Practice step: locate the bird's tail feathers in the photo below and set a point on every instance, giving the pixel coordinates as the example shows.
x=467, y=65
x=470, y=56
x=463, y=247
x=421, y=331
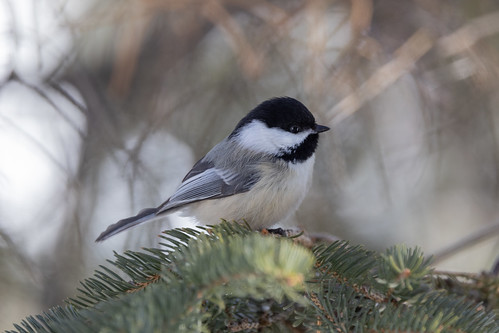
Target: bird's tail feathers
x=143, y=216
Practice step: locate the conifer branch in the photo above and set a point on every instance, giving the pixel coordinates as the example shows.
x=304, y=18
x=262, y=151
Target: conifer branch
x=229, y=278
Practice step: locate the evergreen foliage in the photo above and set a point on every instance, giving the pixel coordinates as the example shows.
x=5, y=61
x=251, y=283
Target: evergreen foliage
x=229, y=278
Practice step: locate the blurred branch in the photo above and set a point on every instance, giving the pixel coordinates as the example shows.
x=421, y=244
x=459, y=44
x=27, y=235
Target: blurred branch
x=79, y=106
x=408, y=55
x=14, y=253
x=466, y=36
x=361, y=14
x=484, y=233
x=127, y=50
x=49, y=101
x=250, y=62
x=38, y=144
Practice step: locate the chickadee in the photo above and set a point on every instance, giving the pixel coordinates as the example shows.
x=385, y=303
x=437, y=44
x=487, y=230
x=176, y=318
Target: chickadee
x=260, y=173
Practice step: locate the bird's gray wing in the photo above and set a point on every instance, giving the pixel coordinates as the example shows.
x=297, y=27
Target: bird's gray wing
x=204, y=181
x=207, y=181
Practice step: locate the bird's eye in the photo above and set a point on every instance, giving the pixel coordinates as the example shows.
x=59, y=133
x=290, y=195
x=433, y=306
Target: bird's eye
x=294, y=129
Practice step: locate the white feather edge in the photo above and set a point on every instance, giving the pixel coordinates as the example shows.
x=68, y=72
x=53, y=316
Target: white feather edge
x=199, y=186
x=257, y=137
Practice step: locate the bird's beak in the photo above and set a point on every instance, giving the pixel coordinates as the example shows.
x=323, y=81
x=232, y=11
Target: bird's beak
x=319, y=128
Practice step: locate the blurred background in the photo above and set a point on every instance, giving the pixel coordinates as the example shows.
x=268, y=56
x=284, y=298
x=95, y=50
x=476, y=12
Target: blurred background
x=105, y=105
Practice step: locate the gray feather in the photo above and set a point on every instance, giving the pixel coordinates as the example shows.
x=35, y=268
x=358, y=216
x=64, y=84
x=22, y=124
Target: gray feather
x=208, y=179
x=143, y=216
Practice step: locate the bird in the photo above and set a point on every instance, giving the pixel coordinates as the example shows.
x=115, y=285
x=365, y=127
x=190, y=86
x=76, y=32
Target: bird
x=259, y=174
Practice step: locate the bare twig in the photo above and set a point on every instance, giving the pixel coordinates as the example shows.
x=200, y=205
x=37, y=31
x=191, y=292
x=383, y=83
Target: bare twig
x=39, y=91
x=408, y=55
x=466, y=36
x=127, y=51
x=65, y=170
x=250, y=62
x=480, y=235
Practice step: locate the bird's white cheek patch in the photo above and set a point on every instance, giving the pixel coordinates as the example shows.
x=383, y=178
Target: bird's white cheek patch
x=258, y=137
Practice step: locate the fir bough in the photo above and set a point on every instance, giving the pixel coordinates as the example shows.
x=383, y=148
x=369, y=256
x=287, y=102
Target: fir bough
x=229, y=278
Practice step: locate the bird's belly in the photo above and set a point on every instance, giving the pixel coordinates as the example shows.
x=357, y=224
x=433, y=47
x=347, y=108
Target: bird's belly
x=272, y=199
